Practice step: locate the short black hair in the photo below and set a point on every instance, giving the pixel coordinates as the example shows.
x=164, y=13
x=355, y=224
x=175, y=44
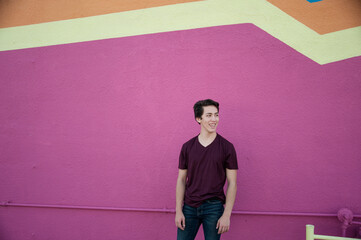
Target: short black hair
x=198, y=107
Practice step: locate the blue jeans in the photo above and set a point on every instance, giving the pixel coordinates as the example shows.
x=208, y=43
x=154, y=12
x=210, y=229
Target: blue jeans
x=207, y=214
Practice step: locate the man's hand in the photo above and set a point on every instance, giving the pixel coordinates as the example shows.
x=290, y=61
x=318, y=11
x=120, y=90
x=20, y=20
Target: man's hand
x=180, y=220
x=223, y=224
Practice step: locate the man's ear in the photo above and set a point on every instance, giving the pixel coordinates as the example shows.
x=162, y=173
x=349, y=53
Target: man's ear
x=199, y=120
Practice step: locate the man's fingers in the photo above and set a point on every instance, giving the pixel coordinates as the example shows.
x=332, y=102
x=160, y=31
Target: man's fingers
x=222, y=229
x=183, y=222
x=180, y=225
x=217, y=226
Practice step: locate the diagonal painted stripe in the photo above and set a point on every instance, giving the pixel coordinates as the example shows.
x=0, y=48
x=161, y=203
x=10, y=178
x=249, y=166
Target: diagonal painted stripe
x=39, y=11
x=320, y=48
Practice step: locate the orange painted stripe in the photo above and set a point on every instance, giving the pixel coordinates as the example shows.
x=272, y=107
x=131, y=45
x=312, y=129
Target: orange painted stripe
x=24, y=12
x=325, y=16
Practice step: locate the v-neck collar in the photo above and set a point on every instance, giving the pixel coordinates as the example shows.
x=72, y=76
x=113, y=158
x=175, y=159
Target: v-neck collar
x=208, y=144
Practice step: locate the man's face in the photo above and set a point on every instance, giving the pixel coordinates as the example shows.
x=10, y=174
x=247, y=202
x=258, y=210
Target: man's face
x=209, y=120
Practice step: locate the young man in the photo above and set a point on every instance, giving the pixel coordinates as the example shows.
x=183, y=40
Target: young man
x=205, y=162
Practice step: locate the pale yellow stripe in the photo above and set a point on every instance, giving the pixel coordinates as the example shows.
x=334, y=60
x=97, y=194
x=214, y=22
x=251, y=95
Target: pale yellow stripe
x=19, y=13
x=320, y=48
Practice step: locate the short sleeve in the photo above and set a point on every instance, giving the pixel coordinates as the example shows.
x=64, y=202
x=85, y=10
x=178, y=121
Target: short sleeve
x=183, y=159
x=231, y=157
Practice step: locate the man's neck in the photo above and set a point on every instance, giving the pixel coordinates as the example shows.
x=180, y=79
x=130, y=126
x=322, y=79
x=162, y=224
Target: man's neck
x=207, y=136
x=206, y=139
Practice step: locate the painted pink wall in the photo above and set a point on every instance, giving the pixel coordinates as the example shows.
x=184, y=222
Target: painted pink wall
x=101, y=124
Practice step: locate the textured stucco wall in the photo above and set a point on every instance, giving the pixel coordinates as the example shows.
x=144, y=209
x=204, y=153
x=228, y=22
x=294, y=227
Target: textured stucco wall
x=101, y=124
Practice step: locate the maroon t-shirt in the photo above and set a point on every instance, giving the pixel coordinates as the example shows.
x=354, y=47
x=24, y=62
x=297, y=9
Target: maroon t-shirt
x=206, y=167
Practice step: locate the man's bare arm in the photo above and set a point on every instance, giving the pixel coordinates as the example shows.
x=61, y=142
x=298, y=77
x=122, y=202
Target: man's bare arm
x=224, y=222
x=180, y=189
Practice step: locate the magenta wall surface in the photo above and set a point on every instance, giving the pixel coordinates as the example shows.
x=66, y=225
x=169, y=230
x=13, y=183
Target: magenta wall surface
x=101, y=124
